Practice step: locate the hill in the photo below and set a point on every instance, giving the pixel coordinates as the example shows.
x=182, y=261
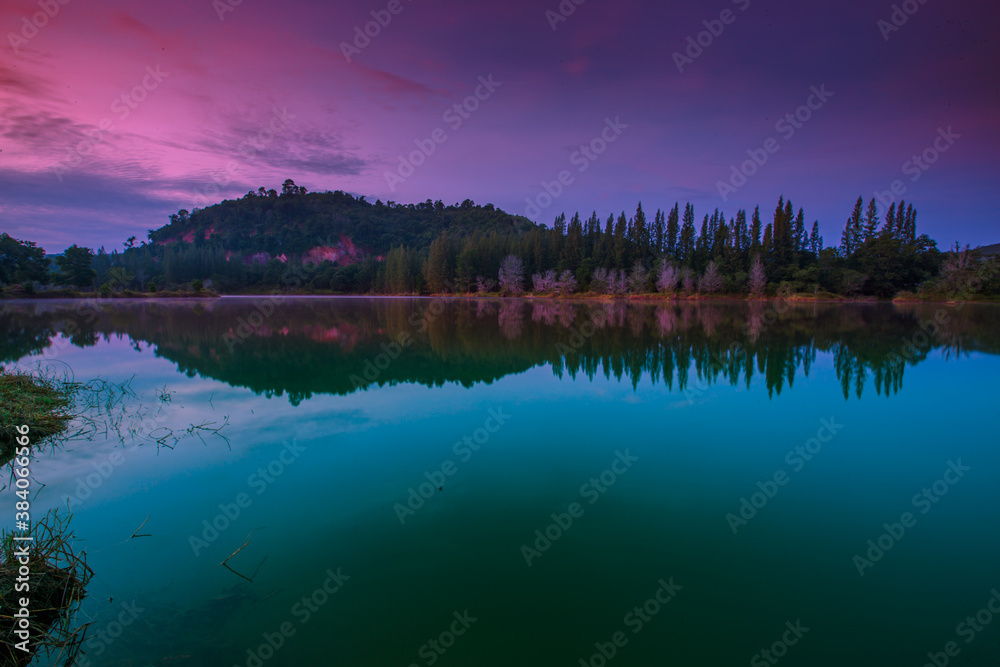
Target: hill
x=332, y=226
x=989, y=250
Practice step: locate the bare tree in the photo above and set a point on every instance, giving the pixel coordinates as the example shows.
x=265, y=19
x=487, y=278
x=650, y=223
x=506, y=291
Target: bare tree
x=567, y=282
x=601, y=281
x=690, y=281
x=668, y=279
x=617, y=282
x=544, y=282
x=512, y=275
x=484, y=285
x=758, y=279
x=956, y=269
x=712, y=280
x=638, y=277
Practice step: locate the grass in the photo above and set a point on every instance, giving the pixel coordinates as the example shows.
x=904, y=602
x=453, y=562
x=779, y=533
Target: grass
x=40, y=402
x=58, y=579
x=58, y=576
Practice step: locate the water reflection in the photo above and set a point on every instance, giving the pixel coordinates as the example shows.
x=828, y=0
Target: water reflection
x=338, y=346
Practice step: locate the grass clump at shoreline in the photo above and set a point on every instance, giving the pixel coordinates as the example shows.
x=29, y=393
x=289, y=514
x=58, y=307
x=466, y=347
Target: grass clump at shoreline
x=58, y=580
x=57, y=576
x=44, y=404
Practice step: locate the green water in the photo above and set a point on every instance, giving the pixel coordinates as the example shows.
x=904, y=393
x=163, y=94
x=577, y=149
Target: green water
x=717, y=470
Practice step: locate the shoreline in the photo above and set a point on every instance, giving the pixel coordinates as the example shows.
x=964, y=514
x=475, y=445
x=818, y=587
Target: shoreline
x=71, y=295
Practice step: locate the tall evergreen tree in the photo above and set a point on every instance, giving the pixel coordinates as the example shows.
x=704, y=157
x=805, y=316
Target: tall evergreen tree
x=659, y=230
x=890, y=221
x=439, y=268
x=686, y=248
x=640, y=232
x=871, y=222
x=851, y=239
x=755, y=231
x=741, y=239
x=801, y=233
x=620, y=242
x=573, y=247
x=673, y=231
x=815, y=240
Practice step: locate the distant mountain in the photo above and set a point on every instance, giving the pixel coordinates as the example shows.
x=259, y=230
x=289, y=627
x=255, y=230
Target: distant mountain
x=327, y=225
x=989, y=250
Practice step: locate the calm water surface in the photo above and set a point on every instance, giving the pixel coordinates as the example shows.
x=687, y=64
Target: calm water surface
x=496, y=482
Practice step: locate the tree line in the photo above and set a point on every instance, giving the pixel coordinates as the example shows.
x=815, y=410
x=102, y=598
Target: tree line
x=267, y=241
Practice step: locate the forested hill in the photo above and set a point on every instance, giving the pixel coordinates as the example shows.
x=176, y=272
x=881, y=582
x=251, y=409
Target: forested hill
x=294, y=223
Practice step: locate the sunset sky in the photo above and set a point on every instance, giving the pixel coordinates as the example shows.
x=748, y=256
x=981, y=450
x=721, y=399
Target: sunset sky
x=116, y=114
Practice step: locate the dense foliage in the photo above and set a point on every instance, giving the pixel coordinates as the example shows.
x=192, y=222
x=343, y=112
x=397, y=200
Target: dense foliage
x=334, y=242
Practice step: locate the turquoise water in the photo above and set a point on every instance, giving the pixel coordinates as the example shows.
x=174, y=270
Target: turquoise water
x=704, y=481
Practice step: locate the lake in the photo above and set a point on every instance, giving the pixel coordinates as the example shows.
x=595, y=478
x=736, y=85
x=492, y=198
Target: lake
x=498, y=482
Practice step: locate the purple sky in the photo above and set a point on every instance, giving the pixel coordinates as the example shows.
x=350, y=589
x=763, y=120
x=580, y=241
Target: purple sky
x=80, y=163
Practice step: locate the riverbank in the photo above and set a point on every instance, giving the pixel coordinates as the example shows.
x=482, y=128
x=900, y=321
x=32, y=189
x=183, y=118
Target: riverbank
x=801, y=297
x=39, y=403
x=16, y=292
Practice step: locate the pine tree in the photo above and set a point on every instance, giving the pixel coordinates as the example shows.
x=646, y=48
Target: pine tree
x=871, y=222
x=851, y=239
x=659, y=229
x=620, y=241
x=572, y=248
x=801, y=234
x=890, y=221
x=439, y=267
x=741, y=239
x=673, y=231
x=815, y=241
x=685, y=251
x=720, y=242
x=607, y=243
x=592, y=234
x=755, y=229
x=703, y=243
x=640, y=232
